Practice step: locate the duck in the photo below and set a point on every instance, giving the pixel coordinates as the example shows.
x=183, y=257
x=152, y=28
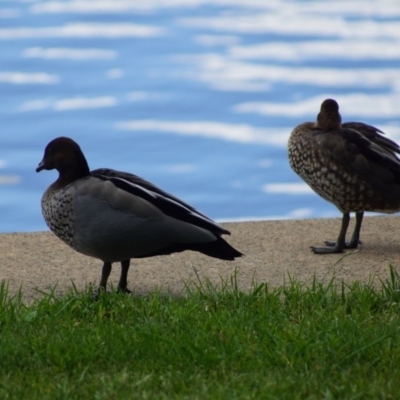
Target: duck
x=115, y=216
x=351, y=165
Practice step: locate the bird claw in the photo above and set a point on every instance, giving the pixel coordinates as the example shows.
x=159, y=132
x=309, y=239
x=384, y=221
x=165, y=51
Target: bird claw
x=347, y=245
x=326, y=250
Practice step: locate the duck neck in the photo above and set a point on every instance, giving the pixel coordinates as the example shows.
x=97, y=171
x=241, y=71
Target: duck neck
x=73, y=171
x=328, y=121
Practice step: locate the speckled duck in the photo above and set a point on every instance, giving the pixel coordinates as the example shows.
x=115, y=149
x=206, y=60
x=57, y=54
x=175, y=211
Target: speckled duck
x=115, y=216
x=350, y=165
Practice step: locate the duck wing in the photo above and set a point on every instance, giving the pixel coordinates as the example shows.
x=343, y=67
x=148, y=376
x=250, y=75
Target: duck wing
x=165, y=202
x=363, y=151
x=373, y=134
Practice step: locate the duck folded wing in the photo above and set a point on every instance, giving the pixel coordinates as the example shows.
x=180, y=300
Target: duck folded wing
x=165, y=202
x=351, y=148
x=378, y=167
x=373, y=134
x=114, y=224
x=137, y=180
x=372, y=150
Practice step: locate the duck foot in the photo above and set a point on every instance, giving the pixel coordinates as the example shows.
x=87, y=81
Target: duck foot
x=347, y=245
x=334, y=248
x=326, y=250
x=340, y=245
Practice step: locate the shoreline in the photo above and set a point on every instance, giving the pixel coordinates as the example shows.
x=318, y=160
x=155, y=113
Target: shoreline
x=274, y=251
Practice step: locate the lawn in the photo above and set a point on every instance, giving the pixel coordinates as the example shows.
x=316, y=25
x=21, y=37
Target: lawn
x=326, y=341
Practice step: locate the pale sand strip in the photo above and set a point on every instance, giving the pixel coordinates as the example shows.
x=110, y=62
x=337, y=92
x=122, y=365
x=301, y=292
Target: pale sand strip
x=273, y=249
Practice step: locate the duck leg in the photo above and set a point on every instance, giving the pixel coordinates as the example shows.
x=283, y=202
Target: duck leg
x=355, y=239
x=340, y=244
x=105, y=273
x=123, y=280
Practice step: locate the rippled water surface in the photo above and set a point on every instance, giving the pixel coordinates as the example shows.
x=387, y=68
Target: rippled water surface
x=197, y=96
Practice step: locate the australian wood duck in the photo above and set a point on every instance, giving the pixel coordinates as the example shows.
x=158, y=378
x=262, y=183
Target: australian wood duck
x=351, y=165
x=115, y=216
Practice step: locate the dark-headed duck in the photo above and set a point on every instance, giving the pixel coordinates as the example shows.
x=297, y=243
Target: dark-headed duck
x=351, y=165
x=115, y=216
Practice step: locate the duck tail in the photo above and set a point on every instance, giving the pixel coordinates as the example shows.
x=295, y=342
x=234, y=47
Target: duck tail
x=218, y=249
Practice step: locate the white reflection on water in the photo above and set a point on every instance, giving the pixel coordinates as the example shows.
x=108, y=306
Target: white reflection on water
x=354, y=49
x=297, y=213
x=296, y=23
x=215, y=70
x=68, y=104
x=217, y=40
x=382, y=8
x=351, y=105
x=115, y=73
x=82, y=30
x=69, y=53
x=8, y=179
x=25, y=78
x=232, y=132
x=288, y=188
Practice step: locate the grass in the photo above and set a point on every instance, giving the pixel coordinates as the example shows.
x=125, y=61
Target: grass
x=322, y=342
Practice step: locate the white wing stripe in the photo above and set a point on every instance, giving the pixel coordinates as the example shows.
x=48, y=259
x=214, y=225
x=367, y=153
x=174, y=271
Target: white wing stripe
x=155, y=195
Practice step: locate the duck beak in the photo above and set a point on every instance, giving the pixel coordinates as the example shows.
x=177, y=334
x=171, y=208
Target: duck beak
x=41, y=166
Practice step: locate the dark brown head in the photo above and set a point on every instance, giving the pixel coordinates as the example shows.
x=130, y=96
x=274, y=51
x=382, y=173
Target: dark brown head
x=329, y=117
x=64, y=155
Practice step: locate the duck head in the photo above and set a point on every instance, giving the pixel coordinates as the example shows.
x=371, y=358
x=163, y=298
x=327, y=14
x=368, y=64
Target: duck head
x=329, y=117
x=64, y=155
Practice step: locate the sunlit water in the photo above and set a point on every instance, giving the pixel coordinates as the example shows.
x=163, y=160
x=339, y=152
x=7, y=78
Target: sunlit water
x=196, y=96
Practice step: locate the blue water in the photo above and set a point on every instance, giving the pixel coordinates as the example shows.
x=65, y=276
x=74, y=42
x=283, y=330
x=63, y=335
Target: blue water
x=198, y=97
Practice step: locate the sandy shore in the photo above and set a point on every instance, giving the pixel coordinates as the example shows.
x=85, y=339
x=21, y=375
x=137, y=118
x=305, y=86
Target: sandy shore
x=273, y=251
